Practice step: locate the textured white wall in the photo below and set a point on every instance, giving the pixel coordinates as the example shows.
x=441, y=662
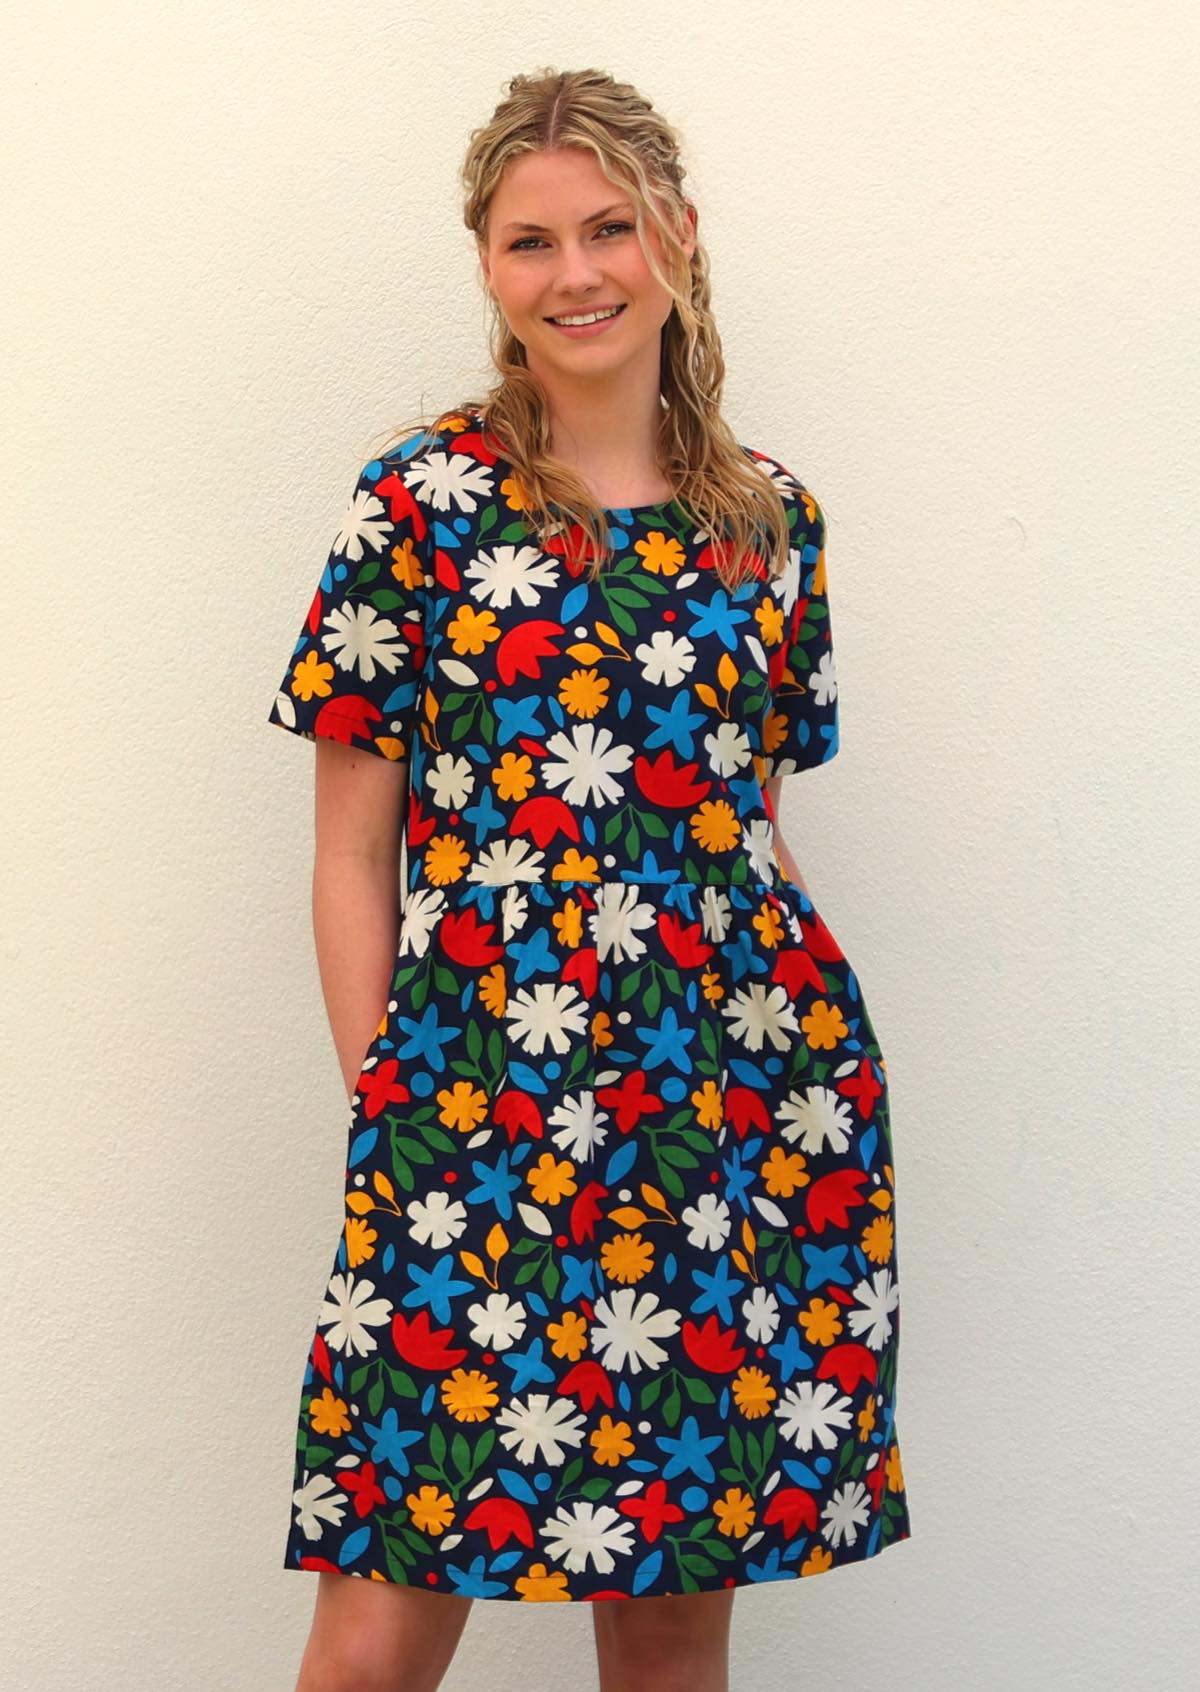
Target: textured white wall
x=956, y=260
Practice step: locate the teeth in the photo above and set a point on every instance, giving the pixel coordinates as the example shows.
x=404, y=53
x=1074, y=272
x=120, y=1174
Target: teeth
x=592, y=317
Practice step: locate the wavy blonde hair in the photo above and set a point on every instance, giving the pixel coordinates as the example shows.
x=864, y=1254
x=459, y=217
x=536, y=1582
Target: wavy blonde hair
x=730, y=497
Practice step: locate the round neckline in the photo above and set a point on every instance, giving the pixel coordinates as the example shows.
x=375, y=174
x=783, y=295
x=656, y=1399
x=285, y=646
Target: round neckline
x=614, y=510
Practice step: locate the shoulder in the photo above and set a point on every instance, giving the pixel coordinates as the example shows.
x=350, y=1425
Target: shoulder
x=791, y=488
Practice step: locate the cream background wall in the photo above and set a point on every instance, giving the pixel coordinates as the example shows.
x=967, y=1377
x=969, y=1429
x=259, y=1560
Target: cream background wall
x=956, y=262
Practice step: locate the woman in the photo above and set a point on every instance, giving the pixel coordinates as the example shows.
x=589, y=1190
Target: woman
x=614, y=1313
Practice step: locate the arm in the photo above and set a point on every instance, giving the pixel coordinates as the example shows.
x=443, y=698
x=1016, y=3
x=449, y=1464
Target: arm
x=360, y=806
x=790, y=866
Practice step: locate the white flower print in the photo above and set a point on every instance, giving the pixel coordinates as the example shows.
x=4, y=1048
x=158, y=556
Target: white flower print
x=364, y=520
x=499, y=1322
x=541, y=1427
x=451, y=781
x=619, y=913
x=665, y=658
x=847, y=1511
x=728, y=749
x=822, y=683
x=813, y=1412
x=350, y=1312
x=579, y=1531
x=716, y=913
x=437, y=1219
x=588, y=762
x=505, y=571
x=757, y=1013
x=422, y=908
x=761, y=1313
x=318, y=1502
x=872, y=1318
x=505, y=861
x=814, y=1119
x=359, y=639
x=708, y=1222
x=625, y=1326
x=548, y=1013
x=580, y=1126
x=449, y=481
x=758, y=842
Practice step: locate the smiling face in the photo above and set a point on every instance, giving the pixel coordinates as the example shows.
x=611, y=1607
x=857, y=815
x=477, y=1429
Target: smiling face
x=562, y=241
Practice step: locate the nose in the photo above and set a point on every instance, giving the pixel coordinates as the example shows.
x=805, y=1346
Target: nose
x=577, y=269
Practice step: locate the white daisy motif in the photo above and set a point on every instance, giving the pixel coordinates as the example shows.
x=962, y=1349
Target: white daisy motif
x=625, y=1326
x=587, y=761
x=365, y=523
x=579, y=1126
x=871, y=1320
x=708, y=1222
x=450, y=781
x=498, y=1322
x=547, y=1013
x=614, y=923
x=814, y=1119
x=514, y=907
x=360, y=640
x=758, y=1012
x=350, y=1312
x=813, y=1412
x=318, y=1502
x=665, y=658
x=728, y=749
x=505, y=572
x=504, y=861
x=449, y=481
x=847, y=1511
x=822, y=684
x=716, y=912
x=758, y=842
x=422, y=908
x=761, y=1314
x=579, y=1531
x=541, y=1428
x=437, y=1219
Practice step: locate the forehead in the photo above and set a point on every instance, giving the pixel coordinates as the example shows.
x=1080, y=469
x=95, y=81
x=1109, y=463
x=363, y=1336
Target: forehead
x=560, y=188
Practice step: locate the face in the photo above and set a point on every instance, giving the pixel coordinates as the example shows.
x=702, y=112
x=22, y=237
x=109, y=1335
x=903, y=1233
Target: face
x=582, y=255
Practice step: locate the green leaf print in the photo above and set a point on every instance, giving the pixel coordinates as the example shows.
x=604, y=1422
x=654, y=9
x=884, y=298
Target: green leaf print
x=460, y=1455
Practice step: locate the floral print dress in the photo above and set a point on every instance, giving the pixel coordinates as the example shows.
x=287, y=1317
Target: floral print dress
x=614, y=1310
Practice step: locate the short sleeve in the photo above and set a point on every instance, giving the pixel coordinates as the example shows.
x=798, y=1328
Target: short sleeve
x=802, y=723
x=355, y=670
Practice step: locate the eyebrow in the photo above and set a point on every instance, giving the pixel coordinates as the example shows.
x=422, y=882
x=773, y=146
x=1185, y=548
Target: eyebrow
x=540, y=229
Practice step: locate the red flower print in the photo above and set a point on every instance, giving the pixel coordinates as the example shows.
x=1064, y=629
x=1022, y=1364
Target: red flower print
x=665, y=781
x=422, y=1346
x=712, y=1347
x=378, y=1088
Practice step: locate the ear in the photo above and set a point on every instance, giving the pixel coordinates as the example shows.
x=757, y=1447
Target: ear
x=689, y=243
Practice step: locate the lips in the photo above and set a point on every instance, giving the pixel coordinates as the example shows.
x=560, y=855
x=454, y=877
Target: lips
x=588, y=311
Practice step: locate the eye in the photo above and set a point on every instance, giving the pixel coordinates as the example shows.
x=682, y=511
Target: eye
x=526, y=239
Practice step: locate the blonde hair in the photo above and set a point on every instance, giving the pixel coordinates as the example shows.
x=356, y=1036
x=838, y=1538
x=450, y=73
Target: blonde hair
x=726, y=492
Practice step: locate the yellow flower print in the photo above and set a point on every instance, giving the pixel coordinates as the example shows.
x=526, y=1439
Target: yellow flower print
x=514, y=493
x=568, y=924
x=550, y=1180
x=661, y=553
x=493, y=990
x=769, y=925
x=710, y=1105
x=768, y=614
x=611, y=1442
x=784, y=1172
x=715, y=827
x=817, y=1561
x=895, y=1470
x=602, y=1034
x=878, y=1240
x=583, y=693
x=469, y=1394
x=711, y=983
x=360, y=1241
x=432, y=1511
x=734, y=1512
x=821, y=1321
x=329, y=1415
x=407, y=567
x=446, y=859
x=574, y=867
x=775, y=728
x=540, y=1586
x=753, y=1392
x=866, y=1418
x=471, y=631
x=514, y=776
x=824, y=1026
x=311, y=678
x=463, y=1106
x=568, y=1338
x=626, y=1257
